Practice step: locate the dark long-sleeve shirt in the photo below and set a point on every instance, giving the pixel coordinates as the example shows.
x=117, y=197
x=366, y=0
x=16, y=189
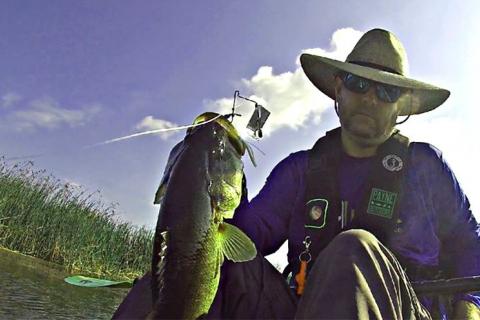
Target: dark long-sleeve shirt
x=438, y=228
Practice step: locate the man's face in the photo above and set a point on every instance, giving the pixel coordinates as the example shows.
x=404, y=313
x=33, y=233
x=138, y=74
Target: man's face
x=364, y=117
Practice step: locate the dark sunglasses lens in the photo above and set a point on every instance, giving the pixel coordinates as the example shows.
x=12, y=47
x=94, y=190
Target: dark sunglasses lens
x=388, y=93
x=356, y=84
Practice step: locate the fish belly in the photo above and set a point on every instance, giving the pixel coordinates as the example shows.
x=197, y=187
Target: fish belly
x=190, y=282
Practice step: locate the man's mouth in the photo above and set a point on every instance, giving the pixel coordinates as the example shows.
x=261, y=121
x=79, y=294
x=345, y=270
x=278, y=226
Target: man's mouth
x=363, y=114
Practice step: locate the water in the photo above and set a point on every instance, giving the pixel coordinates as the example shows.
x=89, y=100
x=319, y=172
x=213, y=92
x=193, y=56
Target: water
x=31, y=289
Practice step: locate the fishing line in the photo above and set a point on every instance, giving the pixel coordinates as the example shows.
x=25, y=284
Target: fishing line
x=32, y=156
x=119, y=139
x=151, y=132
x=255, y=124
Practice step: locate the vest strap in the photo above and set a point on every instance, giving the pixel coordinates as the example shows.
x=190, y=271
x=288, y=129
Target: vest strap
x=326, y=214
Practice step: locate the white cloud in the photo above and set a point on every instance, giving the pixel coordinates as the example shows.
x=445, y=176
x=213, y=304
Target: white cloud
x=293, y=100
x=150, y=123
x=46, y=113
x=289, y=96
x=9, y=99
x=342, y=42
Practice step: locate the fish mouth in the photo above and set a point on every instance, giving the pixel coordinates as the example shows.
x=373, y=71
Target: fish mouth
x=232, y=133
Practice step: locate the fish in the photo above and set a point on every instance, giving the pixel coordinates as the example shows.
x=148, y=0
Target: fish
x=202, y=185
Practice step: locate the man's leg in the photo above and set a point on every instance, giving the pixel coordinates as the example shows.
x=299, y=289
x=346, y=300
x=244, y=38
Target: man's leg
x=252, y=290
x=356, y=277
x=138, y=302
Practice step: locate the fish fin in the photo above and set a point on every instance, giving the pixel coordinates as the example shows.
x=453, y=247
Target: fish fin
x=160, y=193
x=221, y=258
x=219, y=263
x=172, y=159
x=160, y=266
x=235, y=244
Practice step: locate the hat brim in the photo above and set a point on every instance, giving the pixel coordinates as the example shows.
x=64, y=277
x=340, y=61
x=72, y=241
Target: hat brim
x=321, y=71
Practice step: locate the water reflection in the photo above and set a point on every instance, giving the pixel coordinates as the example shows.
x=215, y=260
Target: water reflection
x=30, y=290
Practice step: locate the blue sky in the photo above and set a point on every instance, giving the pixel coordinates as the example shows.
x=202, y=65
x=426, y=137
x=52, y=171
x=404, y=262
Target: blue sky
x=75, y=73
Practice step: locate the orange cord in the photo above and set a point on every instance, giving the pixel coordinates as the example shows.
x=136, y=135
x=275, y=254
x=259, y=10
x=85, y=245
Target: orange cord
x=301, y=277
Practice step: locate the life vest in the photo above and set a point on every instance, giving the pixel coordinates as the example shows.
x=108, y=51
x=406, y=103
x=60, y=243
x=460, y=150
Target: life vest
x=326, y=215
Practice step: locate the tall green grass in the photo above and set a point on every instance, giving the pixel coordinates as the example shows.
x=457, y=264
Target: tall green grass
x=49, y=219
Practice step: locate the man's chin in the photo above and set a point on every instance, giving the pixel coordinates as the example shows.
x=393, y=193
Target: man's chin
x=366, y=137
x=362, y=132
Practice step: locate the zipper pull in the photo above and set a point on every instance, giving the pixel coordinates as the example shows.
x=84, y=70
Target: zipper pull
x=305, y=257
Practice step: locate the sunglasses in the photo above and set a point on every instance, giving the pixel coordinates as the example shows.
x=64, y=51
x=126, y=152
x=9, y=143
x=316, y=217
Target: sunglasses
x=385, y=92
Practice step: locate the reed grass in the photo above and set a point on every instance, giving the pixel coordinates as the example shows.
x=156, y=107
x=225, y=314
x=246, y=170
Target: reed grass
x=44, y=217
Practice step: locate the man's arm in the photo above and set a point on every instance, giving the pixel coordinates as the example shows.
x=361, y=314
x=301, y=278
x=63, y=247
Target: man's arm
x=458, y=232
x=266, y=218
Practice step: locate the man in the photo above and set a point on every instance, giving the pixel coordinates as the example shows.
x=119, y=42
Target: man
x=359, y=208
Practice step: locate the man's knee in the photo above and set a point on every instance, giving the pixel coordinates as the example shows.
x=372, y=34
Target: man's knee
x=230, y=267
x=243, y=274
x=353, y=240
x=138, y=303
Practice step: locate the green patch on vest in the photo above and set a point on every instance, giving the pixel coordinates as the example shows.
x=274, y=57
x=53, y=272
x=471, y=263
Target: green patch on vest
x=382, y=203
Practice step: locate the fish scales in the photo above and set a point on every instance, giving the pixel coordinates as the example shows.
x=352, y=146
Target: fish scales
x=188, y=233
x=204, y=185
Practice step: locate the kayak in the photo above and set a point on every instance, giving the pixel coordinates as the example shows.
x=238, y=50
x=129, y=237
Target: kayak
x=88, y=282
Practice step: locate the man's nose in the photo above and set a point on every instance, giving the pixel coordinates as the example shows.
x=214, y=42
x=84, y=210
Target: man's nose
x=370, y=97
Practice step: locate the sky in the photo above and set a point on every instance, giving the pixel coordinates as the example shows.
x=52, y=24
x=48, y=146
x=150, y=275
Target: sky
x=77, y=73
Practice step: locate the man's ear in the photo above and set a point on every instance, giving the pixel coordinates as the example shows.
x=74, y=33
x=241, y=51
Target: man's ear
x=338, y=88
x=406, y=101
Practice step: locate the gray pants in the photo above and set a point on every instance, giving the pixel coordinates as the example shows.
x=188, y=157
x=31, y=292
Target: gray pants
x=355, y=277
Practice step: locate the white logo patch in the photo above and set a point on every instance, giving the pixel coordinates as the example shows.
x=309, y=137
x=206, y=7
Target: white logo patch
x=392, y=162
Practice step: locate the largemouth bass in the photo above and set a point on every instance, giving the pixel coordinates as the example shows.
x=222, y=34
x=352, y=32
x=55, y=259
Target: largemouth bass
x=202, y=185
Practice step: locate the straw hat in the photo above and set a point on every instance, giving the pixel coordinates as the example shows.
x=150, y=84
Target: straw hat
x=378, y=56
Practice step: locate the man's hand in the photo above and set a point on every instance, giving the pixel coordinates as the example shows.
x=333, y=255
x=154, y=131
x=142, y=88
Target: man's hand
x=466, y=311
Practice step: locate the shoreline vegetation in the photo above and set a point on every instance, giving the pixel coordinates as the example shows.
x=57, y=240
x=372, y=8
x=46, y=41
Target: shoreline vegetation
x=59, y=222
